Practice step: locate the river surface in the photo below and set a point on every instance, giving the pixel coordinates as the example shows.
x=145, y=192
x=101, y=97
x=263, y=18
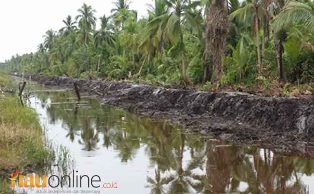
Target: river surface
x=136, y=155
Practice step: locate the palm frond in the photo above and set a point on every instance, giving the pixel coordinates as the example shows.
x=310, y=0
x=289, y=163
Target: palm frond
x=243, y=13
x=173, y=28
x=294, y=13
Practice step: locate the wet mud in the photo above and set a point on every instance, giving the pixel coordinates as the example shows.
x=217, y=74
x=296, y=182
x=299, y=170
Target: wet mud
x=283, y=122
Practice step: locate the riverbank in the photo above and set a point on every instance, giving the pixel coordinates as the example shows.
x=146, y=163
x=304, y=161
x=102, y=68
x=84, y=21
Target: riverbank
x=21, y=139
x=235, y=117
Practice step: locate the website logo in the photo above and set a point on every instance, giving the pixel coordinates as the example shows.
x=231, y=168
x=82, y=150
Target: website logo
x=72, y=180
x=17, y=179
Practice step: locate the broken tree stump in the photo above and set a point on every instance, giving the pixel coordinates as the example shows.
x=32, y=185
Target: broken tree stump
x=77, y=92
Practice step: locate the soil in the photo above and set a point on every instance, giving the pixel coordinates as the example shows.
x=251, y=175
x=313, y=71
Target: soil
x=286, y=123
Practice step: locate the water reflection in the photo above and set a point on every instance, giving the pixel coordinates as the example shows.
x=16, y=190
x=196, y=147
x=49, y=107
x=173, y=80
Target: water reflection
x=176, y=162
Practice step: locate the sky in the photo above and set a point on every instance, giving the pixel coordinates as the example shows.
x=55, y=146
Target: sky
x=24, y=22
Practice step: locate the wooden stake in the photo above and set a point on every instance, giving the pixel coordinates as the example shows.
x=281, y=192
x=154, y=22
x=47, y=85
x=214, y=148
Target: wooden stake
x=22, y=88
x=77, y=91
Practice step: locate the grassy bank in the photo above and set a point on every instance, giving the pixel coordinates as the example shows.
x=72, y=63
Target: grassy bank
x=21, y=139
x=4, y=83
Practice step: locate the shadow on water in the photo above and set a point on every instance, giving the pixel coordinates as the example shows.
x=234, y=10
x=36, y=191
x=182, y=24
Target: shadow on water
x=145, y=156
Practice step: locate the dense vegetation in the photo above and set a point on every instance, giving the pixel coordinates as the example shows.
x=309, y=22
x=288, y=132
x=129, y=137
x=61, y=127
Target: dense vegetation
x=215, y=43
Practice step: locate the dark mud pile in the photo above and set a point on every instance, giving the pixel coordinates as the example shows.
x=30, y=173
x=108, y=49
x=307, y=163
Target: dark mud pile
x=236, y=117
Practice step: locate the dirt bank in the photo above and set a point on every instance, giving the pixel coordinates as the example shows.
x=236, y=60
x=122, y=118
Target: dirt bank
x=236, y=117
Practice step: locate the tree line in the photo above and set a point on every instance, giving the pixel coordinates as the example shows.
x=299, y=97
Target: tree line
x=217, y=42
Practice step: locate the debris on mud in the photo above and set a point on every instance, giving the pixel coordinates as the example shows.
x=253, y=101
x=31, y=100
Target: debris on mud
x=232, y=116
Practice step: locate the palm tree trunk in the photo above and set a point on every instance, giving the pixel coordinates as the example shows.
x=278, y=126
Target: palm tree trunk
x=217, y=28
x=85, y=39
x=257, y=42
x=207, y=71
x=279, y=52
x=266, y=28
x=141, y=68
x=208, y=64
x=184, y=75
x=98, y=64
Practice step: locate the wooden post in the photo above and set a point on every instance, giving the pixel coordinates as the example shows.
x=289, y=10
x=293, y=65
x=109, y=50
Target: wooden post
x=22, y=88
x=77, y=92
x=21, y=100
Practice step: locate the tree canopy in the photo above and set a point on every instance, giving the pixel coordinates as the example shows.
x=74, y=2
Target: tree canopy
x=211, y=43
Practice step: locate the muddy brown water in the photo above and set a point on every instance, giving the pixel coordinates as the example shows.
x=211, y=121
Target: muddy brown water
x=133, y=154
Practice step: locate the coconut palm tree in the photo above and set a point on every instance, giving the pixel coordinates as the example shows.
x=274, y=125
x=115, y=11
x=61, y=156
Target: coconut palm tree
x=86, y=22
x=292, y=12
x=253, y=12
x=103, y=40
x=70, y=26
x=153, y=34
x=121, y=4
x=49, y=39
x=168, y=28
x=121, y=13
x=42, y=57
x=105, y=34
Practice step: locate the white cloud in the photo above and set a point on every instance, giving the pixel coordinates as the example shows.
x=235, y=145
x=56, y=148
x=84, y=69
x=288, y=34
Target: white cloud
x=23, y=23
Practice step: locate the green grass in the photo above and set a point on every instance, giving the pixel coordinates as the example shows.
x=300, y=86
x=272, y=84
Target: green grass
x=4, y=80
x=21, y=138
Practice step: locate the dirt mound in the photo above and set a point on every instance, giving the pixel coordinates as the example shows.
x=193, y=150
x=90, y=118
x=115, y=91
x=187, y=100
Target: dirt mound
x=237, y=117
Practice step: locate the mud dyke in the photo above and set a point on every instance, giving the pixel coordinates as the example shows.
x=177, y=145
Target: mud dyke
x=236, y=117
